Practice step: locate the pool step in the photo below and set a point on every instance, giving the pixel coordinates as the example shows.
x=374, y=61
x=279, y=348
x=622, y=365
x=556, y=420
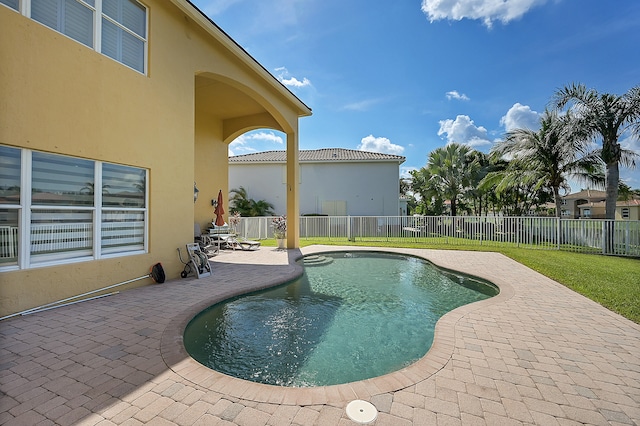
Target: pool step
x=316, y=260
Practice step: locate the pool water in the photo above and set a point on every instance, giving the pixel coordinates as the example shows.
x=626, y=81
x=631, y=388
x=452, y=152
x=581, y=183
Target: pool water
x=350, y=316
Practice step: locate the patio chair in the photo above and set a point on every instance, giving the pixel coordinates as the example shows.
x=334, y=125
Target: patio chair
x=205, y=242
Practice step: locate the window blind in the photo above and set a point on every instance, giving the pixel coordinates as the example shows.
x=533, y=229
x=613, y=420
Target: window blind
x=70, y=17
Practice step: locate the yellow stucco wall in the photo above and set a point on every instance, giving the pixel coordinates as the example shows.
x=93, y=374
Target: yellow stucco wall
x=57, y=95
x=211, y=177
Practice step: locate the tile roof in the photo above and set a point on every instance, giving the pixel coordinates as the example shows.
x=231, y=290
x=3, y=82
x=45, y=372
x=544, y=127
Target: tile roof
x=317, y=155
x=619, y=203
x=586, y=194
x=628, y=203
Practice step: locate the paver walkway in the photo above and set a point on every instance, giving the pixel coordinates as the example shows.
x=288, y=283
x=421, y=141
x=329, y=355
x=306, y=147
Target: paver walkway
x=536, y=354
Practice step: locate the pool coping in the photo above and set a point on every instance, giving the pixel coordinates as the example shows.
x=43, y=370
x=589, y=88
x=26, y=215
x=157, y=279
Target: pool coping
x=177, y=359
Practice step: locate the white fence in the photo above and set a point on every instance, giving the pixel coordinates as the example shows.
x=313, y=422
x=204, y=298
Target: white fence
x=579, y=235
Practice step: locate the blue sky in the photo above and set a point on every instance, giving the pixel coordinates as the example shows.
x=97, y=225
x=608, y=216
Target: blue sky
x=405, y=77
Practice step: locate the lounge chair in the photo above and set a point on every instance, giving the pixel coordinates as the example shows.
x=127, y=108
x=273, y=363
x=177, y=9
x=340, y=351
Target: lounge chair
x=205, y=242
x=225, y=237
x=242, y=244
x=220, y=235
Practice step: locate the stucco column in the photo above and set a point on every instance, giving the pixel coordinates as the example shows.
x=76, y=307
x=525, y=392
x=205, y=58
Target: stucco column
x=293, y=194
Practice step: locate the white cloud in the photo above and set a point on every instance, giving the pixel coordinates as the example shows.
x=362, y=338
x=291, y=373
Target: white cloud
x=383, y=145
x=520, y=117
x=245, y=144
x=462, y=130
x=485, y=10
x=294, y=82
x=360, y=106
x=405, y=172
x=285, y=78
x=455, y=95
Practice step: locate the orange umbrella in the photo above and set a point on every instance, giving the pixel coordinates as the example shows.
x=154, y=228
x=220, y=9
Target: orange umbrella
x=219, y=211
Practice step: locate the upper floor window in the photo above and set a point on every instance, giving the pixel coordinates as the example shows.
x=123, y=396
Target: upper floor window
x=124, y=32
x=13, y=4
x=70, y=17
x=115, y=28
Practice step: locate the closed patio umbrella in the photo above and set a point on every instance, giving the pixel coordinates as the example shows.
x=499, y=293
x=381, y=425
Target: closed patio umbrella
x=219, y=211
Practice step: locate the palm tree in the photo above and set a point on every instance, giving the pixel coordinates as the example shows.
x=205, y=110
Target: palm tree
x=477, y=196
x=545, y=158
x=448, y=170
x=428, y=201
x=261, y=208
x=510, y=192
x=607, y=117
x=240, y=201
x=248, y=207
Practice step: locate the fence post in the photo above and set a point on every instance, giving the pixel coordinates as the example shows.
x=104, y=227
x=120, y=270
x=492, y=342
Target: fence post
x=558, y=231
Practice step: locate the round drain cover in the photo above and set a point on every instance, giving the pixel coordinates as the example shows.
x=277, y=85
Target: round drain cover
x=361, y=411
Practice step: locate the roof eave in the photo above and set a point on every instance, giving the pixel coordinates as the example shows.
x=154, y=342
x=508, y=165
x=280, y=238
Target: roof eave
x=230, y=44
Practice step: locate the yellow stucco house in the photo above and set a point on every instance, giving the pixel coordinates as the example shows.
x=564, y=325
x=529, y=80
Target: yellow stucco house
x=138, y=98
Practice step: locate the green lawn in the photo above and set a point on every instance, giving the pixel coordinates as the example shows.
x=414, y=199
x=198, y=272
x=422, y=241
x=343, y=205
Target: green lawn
x=613, y=282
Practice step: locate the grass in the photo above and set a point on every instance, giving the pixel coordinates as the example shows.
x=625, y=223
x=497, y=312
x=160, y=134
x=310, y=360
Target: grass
x=613, y=282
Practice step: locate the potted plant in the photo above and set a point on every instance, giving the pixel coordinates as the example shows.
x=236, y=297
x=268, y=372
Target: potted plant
x=234, y=221
x=280, y=230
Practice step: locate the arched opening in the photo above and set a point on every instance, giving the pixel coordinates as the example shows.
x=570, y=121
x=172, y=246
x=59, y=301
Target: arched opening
x=224, y=110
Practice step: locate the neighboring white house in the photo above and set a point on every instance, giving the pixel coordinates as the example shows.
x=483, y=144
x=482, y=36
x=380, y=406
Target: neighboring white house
x=333, y=181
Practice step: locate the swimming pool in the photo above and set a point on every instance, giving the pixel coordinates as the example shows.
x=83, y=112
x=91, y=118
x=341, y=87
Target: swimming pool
x=354, y=316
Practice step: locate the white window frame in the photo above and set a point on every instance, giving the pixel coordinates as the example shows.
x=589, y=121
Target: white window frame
x=24, y=8
x=625, y=212
x=25, y=259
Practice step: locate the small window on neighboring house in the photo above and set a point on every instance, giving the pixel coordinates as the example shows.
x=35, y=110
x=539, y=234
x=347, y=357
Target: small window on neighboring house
x=586, y=212
x=625, y=212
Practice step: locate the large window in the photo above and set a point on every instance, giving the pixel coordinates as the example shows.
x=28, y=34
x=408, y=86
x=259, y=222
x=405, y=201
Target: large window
x=116, y=28
x=75, y=209
x=10, y=166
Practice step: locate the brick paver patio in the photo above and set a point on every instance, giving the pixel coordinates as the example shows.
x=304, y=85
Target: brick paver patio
x=536, y=354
